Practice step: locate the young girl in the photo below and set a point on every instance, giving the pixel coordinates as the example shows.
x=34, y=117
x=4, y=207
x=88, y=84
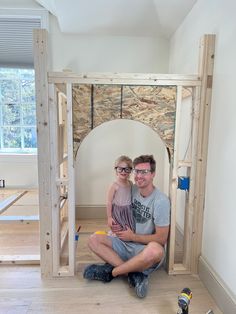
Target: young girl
x=119, y=209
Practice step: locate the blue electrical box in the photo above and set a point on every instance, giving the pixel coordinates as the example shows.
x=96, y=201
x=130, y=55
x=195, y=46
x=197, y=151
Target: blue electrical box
x=183, y=183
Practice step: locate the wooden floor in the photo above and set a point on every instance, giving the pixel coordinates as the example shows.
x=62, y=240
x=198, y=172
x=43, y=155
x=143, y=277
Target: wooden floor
x=19, y=227
x=23, y=291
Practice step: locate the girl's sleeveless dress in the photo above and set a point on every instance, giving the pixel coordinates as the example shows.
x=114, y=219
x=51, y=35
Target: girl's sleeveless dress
x=122, y=209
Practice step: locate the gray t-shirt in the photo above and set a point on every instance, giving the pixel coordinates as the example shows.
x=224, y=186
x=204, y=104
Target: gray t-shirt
x=150, y=211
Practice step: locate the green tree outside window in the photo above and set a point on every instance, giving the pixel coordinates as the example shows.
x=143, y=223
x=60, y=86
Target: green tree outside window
x=17, y=111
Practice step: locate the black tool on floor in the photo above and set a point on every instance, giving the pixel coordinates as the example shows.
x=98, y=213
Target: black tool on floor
x=184, y=301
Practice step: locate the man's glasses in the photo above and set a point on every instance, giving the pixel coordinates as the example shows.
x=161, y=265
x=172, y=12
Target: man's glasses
x=125, y=169
x=143, y=172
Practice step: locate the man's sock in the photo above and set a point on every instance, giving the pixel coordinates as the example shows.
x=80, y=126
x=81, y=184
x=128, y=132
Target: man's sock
x=99, y=272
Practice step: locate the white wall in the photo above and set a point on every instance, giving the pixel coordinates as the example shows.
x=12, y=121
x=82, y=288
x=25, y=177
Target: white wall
x=219, y=232
x=103, y=145
x=23, y=4
x=19, y=170
x=106, y=53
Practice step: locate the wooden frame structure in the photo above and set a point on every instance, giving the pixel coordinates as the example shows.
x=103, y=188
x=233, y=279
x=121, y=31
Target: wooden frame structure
x=56, y=160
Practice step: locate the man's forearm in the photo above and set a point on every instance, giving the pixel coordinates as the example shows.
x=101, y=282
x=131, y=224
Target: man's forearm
x=146, y=238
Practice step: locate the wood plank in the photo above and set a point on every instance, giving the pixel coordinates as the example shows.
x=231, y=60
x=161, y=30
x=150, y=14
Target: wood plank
x=174, y=183
x=71, y=179
x=19, y=218
x=6, y=203
x=124, y=78
x=54, y=177
x=20, y=259
x=6, y=192
x=191, y=173
x=40, y=39
x=206, y=64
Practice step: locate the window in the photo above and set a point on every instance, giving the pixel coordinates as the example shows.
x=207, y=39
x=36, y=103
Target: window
x=17, y=111
x=17, y=88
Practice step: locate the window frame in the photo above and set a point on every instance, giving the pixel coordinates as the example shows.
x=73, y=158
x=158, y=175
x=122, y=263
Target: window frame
x=43, y=15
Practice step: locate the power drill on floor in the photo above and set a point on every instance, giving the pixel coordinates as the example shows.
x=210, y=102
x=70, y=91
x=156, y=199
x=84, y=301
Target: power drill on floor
x=184, y=301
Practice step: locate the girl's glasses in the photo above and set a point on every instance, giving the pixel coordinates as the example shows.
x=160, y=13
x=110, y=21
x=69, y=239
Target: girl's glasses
x=125, y=169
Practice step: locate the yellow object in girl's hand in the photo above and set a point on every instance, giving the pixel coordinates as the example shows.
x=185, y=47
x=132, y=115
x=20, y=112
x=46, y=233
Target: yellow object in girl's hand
x=100, y=232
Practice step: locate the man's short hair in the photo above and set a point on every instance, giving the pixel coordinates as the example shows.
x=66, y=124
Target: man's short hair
x=145, y=159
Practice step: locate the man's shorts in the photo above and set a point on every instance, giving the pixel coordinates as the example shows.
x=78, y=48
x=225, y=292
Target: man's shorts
x=127, y=250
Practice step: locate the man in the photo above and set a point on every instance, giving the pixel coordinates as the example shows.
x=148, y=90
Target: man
x=138, y=253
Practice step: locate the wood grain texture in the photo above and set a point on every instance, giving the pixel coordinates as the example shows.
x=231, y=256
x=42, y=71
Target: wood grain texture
x=23, y=291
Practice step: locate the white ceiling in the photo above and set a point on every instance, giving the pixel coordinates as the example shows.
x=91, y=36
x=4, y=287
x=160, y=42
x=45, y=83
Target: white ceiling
x=119, y=17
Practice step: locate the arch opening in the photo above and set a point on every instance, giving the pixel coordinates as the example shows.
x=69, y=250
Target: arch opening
x=95, y=158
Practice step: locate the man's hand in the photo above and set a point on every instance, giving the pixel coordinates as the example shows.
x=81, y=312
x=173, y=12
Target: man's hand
x=126, y=235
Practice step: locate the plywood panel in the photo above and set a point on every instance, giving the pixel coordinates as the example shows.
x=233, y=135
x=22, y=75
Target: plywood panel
x=151, y=105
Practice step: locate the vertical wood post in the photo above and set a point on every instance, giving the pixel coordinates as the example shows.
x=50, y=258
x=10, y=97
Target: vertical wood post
x=71, y=180
x=174, y=182
x=43, y=142
x=206, y=63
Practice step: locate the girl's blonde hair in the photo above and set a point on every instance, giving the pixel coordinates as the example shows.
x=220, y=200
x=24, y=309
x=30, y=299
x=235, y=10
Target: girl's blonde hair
x=125, y=159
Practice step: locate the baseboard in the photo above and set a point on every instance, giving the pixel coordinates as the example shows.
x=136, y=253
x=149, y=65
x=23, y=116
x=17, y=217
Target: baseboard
x=222, y=295
x=90, y=212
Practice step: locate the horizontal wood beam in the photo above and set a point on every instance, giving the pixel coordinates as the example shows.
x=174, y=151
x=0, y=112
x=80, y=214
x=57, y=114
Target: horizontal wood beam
x=20, y=259
x=125, y=79
x=19, y=218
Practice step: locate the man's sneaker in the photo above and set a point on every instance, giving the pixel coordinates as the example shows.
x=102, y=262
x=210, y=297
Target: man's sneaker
x=99, y=272
x=140, y=283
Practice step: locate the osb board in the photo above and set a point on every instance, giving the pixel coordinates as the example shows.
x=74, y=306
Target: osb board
x=81, y=113
x=151, y=105
x=154, y=106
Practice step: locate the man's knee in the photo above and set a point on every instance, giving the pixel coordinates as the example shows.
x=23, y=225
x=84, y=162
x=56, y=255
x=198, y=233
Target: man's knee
x=96, y=240
x=93, y=241
x=153, y=252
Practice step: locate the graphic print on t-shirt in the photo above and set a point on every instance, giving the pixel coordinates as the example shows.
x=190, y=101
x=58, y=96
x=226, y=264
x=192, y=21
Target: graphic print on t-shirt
x=141, y=212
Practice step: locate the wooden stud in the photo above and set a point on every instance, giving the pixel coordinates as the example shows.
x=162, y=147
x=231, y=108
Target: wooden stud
x=189, y=208
x=44, y=150
x=54, y=174
x=174, y=183
x=206, y=64
x=71, y=188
